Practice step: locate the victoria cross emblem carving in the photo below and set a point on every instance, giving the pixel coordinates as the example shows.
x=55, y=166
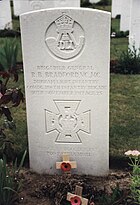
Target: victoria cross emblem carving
x=65, y=37
x=67, y=122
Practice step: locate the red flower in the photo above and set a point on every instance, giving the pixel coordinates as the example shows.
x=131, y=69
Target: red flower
x=65, y=166
x=75, y=200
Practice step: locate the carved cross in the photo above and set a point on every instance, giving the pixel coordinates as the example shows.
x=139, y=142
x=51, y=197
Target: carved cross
x=67, y=123
x=77, y=199
x=66, y=165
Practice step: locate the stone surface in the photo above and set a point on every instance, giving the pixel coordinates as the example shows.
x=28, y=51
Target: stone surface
x=16, y=7
x=66, y=3
x=116, y=8
x=5, y=14
x=23, y=6
x=134, y=34
x=94, y=1
x=66, y=66
x=125, y=15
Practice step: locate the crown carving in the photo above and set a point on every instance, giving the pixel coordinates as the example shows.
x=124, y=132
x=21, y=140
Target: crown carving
x=64, y=22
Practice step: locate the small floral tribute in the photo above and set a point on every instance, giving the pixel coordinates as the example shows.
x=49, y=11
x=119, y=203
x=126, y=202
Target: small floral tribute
x=75, y=200
x=132, y=153
x=134, y=156
x=65, y=166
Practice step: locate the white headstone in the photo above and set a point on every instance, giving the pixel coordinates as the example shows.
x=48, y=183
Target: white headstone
x=94, y=1
x=116, y=8
x=134, y=34
x=66, y=66
x=125, y=15
x=16, y=7
x=5, y=14
x=66, y=3
x=23, y=6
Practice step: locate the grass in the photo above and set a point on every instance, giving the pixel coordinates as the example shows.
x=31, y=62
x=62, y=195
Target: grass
x=124, y=113
x=16, y=24
x=115, y=24
x=117, y=46
x=103, y=8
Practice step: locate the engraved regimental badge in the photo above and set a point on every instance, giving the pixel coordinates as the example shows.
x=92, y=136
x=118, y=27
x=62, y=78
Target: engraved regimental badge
x=65, y=37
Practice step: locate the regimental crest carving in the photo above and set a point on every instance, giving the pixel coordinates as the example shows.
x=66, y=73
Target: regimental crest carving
x=67, y=122
x=65, y=37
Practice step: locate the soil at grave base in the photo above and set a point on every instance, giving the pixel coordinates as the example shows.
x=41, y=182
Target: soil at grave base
x=52, y=189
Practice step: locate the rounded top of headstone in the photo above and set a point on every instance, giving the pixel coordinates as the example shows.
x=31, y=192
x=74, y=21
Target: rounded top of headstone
x=65, y=9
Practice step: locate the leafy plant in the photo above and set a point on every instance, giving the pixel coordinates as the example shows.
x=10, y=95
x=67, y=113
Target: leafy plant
x=8, y=60
x=115, y=198
x=9, y=181
x=134, y=157
x=118, y=16
x=129, y=61
x=9, y=33
x=9, y=97
x=122, y=34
